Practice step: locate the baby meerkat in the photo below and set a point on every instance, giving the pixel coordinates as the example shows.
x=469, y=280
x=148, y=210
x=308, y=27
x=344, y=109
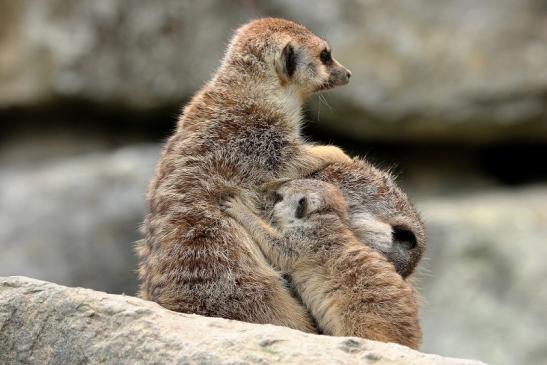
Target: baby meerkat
x=239, y=131
x=348, y=287
x=380, y=213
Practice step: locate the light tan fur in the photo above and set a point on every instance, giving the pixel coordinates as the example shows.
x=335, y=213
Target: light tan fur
x=380, y=213
x=239, y=131
x=348, y=287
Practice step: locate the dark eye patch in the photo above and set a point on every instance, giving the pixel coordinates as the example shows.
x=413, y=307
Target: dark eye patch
x=326, y=57
x=301, y=208
x=404, y=238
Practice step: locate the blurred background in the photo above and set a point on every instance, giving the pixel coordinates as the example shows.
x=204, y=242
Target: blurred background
x=449, y=94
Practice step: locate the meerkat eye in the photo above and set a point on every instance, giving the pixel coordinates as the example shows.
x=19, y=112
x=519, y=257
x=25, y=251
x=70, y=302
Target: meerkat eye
x=325, y=57
x=301, y=208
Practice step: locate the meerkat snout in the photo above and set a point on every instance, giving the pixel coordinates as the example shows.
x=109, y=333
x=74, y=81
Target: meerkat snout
x=338, y=74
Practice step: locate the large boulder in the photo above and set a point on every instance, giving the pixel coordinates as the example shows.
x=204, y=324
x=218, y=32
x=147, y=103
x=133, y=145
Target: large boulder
x=43, y=323
x=422, y=69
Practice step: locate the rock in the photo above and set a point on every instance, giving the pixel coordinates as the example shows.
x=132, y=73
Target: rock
x=74, y=220
x=483, y=283
x=448, y=69
x=433, y=70
x=43, y=323
x=139, y=54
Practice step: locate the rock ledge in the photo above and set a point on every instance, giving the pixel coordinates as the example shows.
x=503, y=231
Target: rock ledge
x=41, y=322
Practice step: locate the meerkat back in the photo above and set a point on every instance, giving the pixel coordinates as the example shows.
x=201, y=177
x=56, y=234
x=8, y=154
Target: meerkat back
x=241, y=130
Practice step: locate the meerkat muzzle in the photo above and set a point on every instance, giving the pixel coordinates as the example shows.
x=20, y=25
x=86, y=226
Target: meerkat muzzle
x=340, y=74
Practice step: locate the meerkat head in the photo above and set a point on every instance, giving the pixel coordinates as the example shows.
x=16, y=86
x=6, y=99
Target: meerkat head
x=381, y=215
x=288, y=52
x=297, y=202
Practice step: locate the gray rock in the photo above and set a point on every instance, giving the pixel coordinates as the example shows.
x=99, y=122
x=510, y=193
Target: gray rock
x=453, y=69
x=42, y=323
x=74, y=220
x=484, y=279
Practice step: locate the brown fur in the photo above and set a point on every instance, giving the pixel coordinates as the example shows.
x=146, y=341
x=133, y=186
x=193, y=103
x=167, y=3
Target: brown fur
x=380, y=213
x=348, y=287
x=239, y=131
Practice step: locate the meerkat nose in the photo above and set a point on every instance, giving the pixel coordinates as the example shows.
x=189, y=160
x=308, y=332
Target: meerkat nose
x=348, y=73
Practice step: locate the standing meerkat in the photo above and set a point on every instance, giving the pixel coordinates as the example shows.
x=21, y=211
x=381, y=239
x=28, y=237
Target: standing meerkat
x=348, y=287
x=240, y=130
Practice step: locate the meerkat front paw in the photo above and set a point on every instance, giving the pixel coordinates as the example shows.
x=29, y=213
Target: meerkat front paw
x=330, y=154
x=230, y=203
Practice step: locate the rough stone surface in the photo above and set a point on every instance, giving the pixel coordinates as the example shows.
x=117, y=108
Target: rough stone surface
x=457, y=69
x=41, y=323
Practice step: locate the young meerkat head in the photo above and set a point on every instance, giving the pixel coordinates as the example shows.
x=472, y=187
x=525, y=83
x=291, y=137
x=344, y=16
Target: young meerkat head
x=299, y=203
x=288, y=52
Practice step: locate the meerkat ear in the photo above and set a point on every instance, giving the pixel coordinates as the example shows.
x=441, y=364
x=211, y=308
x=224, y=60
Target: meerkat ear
x=286, y=64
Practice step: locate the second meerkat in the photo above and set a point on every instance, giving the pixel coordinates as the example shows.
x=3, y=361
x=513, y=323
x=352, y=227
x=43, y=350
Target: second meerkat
x=381, y=214
x=239, y=131
x=349, y=288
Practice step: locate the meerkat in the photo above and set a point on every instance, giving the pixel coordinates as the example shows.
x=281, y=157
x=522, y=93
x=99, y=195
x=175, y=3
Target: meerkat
x=240, y=130
x=348, y=287
x=380, y=213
